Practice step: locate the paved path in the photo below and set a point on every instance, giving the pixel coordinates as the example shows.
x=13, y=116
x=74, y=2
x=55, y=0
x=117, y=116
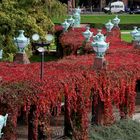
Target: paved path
x=136, y=116
x=125, y=32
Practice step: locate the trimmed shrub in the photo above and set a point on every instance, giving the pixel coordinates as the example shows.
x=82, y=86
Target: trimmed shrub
x=122, y=130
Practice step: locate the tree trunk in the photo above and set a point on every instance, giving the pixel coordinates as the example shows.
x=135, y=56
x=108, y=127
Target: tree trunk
x=67, y=124
x=33, y=123
x=98, y=112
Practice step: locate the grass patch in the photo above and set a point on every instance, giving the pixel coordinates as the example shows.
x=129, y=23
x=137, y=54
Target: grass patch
x=126, y=31
x=125, y=19
x=122, y=130
x=103, y=18
x=58, y=20
x=47, y=58
x=126, y=37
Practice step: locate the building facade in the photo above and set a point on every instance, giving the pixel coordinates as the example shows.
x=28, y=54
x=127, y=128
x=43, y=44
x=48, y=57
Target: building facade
x=102, y=3
x=125, y=2
x=130, y=3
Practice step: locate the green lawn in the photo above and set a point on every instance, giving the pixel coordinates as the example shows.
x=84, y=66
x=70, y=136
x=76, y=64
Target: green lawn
x=103, y=18
x=47, y=57
x=50, y=57
x=126, y=37
x=125, y=19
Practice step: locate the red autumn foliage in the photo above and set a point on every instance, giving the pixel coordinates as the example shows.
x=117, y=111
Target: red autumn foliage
x=74, y=78
x=72, y=40
x=58, y=28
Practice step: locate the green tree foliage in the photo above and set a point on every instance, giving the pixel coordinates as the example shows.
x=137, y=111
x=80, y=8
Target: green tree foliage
x=89, y=3
x=55, y=8
x=33, y=16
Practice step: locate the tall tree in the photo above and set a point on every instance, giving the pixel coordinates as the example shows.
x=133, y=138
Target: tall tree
x=29, y=15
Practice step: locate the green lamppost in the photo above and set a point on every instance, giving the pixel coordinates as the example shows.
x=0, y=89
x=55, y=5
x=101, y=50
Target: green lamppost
x=21, y=43
x=87, y=34
x=100, y=47
x=136, y=38
x=1, y=53
x=65, y=25
x=109, y=26
x=41, y=50
x=3, y=120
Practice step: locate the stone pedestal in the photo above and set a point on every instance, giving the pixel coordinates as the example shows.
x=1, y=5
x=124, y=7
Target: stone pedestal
x=67, y=123
x=98, y=117
x=136, y=44
x=33, y=123
x=21, y=58
x=0, y=78
x=99, y=112
x=109, y=34
x=100, y=63
x=116, y=32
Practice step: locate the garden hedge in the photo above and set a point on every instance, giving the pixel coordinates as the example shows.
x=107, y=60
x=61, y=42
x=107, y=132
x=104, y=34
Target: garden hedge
x=32, y=16
x=122, y=26
x=75, y=79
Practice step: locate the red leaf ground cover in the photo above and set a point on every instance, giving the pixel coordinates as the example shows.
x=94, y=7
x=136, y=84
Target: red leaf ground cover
x=74, y=78
x=73, y=39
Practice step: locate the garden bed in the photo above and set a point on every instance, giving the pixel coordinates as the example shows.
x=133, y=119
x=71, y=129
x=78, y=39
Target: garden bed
x=72, y=41
x=74, y=81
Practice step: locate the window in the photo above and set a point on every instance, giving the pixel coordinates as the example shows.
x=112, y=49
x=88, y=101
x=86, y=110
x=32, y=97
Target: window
x=117, y=6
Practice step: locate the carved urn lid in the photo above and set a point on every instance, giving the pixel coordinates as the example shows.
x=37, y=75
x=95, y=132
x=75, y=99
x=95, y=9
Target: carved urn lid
x=109, y=25
x=116, y=20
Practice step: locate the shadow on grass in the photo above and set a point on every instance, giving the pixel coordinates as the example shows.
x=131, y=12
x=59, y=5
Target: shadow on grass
x=47, y=58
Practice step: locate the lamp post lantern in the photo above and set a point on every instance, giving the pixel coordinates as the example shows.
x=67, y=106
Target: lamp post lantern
x=136, y=38
x=109, y=26
x=3, y=120
x=65, y=25
x=77, y=17
x=99, y=46
x=49, y=38
x=116, y=21
x=71, y=21
x=87, y=34
x=41, y=50
x=35, y=37
x=21, y=43
x=1, y=53
x=134, y=32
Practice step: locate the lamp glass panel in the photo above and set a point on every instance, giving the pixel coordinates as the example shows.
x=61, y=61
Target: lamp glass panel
x=49, y=37
x=35, y=37
x=102, y=49
x=95, y=49
x=41, y=49
x=1, y=51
